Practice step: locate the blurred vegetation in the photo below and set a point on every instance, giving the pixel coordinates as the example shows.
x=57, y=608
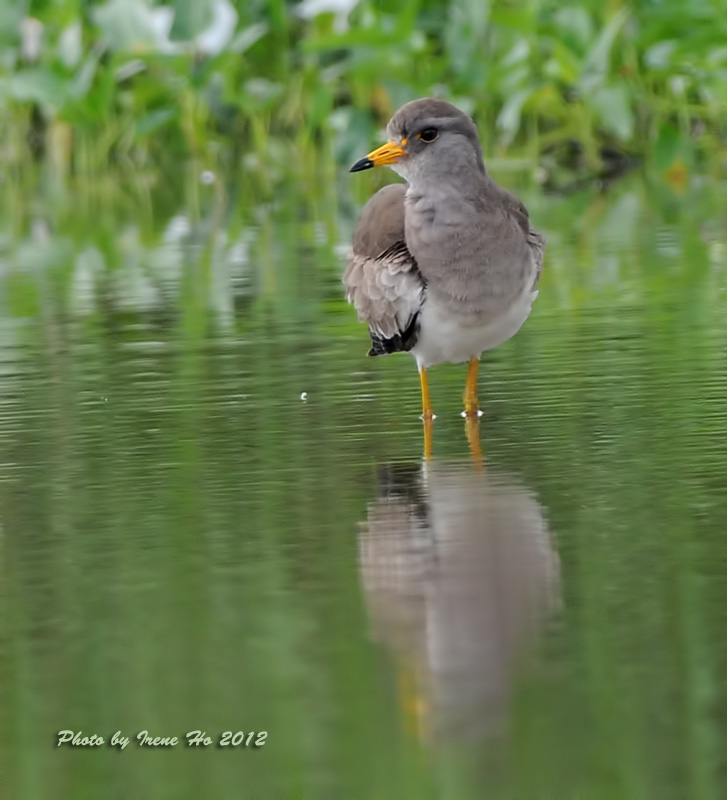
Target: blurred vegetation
x=259, y=82
x=189, y=157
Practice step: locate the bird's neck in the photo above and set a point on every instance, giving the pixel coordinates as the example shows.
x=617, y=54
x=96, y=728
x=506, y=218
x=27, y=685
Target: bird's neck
x=449, y=189
x=449, y=182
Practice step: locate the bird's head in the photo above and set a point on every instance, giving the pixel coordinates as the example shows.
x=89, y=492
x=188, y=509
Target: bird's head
x=428, y=139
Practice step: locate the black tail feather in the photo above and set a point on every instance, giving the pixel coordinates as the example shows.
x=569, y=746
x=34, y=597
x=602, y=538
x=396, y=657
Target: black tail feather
x=403, y=341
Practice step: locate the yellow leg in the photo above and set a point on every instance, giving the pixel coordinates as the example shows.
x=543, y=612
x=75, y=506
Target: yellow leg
x=427, y=412
x=472, y=432
x=471, y=404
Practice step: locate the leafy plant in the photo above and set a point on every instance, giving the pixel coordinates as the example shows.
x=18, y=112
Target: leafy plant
x=143, y=80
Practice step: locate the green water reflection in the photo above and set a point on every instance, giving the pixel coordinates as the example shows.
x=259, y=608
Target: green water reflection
x=188, y=544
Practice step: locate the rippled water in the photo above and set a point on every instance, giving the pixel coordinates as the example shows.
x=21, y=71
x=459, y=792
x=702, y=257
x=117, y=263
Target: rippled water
x=214, y=516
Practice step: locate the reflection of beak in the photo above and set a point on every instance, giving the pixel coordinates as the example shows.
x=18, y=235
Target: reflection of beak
x=388, y=153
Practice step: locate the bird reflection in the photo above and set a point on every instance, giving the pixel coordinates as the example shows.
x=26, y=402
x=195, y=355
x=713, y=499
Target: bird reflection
x=459, y=573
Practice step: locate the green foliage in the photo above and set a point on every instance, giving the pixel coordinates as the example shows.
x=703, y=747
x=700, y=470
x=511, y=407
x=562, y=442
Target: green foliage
x=146, y=80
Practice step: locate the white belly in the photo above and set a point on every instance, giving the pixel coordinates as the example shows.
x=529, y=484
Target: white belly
x=444, y=338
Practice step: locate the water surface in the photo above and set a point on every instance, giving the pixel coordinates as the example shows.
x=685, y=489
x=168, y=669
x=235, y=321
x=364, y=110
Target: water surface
x=214, y=513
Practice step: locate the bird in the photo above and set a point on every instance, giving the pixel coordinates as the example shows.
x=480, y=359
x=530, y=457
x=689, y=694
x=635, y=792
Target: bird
x=445, y=265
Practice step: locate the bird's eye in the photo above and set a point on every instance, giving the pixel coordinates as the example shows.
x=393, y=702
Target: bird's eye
x=429, y=134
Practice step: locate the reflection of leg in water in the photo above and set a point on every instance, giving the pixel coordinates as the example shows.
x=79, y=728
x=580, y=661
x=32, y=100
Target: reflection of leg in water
x=472, y=432
x=413, y=700
x=428, y=428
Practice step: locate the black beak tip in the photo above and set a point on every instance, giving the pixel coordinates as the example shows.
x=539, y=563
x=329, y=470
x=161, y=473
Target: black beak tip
x=362, y=164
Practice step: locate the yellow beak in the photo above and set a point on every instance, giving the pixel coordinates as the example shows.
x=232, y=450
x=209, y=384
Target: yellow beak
x=388, y=153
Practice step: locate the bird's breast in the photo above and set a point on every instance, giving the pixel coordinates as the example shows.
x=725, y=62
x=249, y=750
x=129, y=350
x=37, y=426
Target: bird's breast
x=437, y=220
x=477, y=261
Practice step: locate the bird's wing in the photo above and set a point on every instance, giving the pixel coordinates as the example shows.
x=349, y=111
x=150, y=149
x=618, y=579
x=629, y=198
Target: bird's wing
x=515, y=209
x=536, y=241
x=382, y=279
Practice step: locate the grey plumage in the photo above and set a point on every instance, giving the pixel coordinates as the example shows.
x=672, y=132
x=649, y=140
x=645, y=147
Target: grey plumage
x=382, y=279
x=451, y=237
